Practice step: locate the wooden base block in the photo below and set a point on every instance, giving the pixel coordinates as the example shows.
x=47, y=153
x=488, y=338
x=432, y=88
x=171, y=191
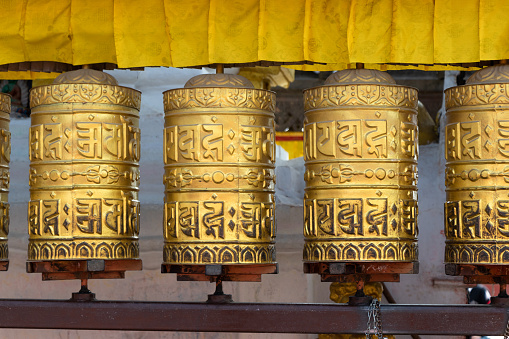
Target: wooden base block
x=84, y=269
x=213, y=272
x=479, y=273
x=355, y=271
x=4, y=265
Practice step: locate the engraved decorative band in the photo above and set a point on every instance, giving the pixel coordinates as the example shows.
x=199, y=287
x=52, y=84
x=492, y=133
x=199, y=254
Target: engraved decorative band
x=105, y=175
x=184, y=98
x=477, y=253
x=4, y=249
x=260, y=253
x=474, y=95
x=73, y=249
x=5, y=103
x=361, y=250
x=356, y=95
x=85, y=93
x=193, y=178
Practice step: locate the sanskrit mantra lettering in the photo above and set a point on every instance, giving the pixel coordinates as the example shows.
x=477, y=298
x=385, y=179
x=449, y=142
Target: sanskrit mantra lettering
x=463, y=140
x=470, y=219
x=89, y=216
x=354, y=138
x=210, y=143
x=92, y=140
x=357, y=139
x=467, y=140
x=207, y=220
x=358, y=217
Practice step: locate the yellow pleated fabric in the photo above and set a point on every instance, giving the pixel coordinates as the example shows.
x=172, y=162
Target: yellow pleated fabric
x=457, y=39
x=28, y=75
x=12, y=46
x=92, y=31
x=493, y=29
x=47, y=31
x=141, y=37
x=186, y=28
x=332, y=34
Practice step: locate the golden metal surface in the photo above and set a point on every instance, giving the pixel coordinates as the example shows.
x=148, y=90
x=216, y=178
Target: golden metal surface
x=427, y=128
x=85, y=86
x=360, y=150
x=5, y=154
x=219, y=179
x=268, y=77
x=84, y=151
x=477, y=169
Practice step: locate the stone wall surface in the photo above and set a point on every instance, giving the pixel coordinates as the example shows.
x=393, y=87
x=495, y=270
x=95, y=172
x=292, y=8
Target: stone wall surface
x=290, y=285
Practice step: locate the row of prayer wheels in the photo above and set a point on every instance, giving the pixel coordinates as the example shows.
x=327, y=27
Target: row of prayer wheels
x=360, y=152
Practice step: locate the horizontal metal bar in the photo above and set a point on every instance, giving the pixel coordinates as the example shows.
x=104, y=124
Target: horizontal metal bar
x=250, y=317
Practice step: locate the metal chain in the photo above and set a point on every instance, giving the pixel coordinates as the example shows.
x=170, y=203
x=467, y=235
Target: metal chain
x=378, y=320
x=375, y=316
x=371, y=311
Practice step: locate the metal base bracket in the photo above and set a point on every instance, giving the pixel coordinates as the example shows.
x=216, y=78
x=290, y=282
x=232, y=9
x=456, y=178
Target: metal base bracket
x=4, y=265
x=366, y=271
x=84, y=269
x=226, y=272
x=479, y=273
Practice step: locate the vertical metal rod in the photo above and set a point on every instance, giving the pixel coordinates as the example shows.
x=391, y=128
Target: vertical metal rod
x=219, y=68
x=388, y=294
x=219, y=287
x=503, y=291
x=84, y=293
x=84, y=286
x=219, y=297
x=360, y=288
x=86, y=66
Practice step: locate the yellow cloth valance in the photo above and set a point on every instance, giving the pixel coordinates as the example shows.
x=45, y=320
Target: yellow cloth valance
x=336, y=34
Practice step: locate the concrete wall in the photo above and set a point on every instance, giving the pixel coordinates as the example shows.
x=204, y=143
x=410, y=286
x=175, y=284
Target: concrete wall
x=291, y=285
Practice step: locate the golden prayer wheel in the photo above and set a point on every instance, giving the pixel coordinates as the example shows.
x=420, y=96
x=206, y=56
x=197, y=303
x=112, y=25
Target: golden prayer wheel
x=477, y=169
x=84, y=151
x=5, y=154
x=360, y=152
x=219, y=180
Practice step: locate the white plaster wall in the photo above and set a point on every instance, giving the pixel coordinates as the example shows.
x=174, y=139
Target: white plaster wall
x=290, y=285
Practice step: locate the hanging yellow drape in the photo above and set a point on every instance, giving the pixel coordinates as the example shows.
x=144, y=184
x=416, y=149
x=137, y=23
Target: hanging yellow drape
x=336, y=34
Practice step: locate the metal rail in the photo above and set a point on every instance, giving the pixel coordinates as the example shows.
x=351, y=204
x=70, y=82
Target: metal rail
x=250, y=317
